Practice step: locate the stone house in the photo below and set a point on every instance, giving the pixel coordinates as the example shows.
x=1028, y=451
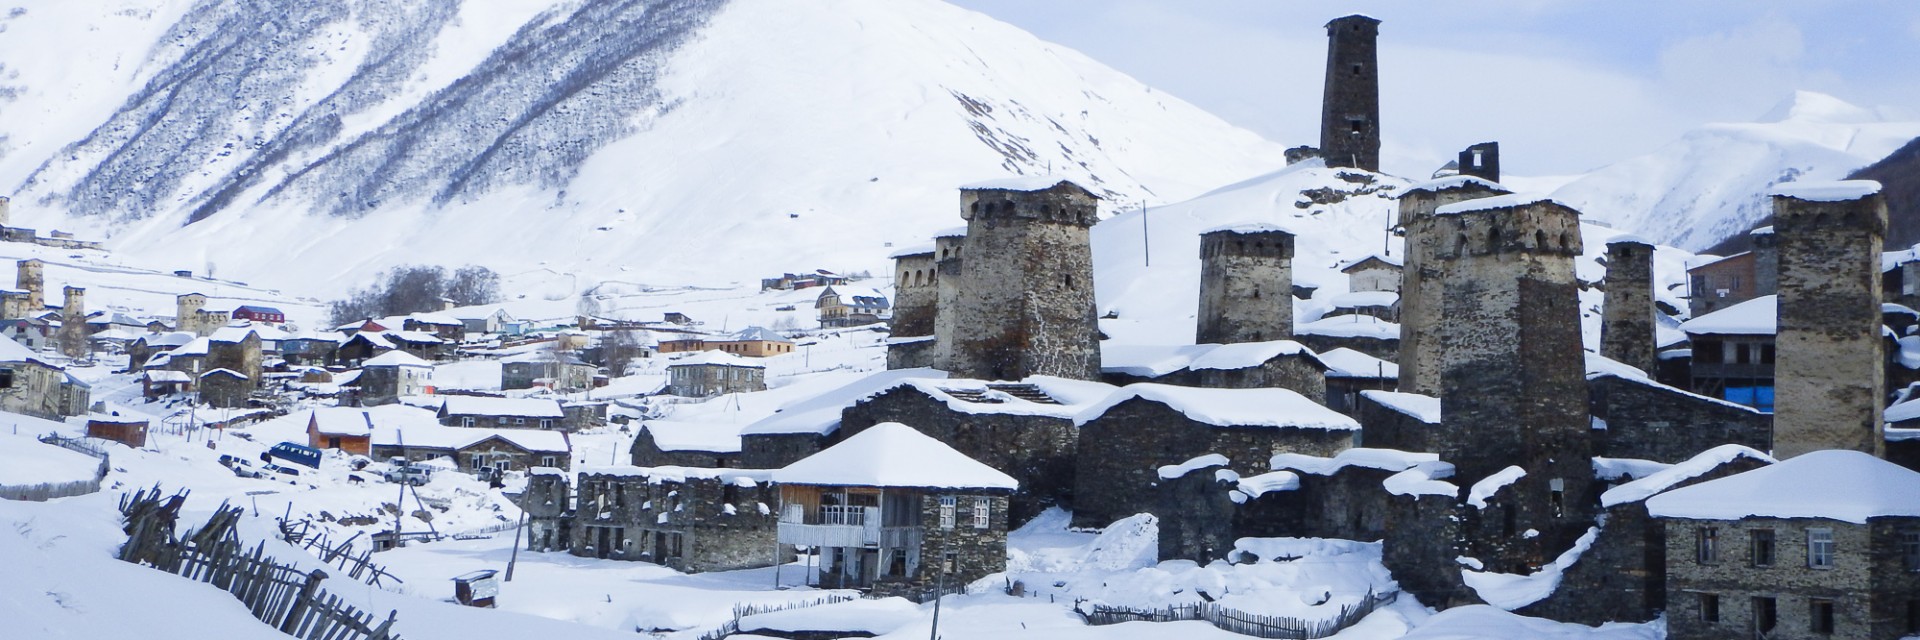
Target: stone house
x=1384, y=305
x=1350, y=372
x=558, y=370
x=842, y=306
x=896, y=512
x=754, y=342
x=33, y=333
x=806, y=426
x=347, y=429
x=1204, y=506
x=1024, y=429
x=309, y=350
x=1822, y=545
x=1374, y=273
x=712, y=373
x=361, y=347
x=548, y=502
x=442, y=326
x=224, y=388
x=1396, y=420
x=481, y=320
x=31, y=386
x=1363, y=333
x=1283, y=364
x=471, y=449
x=501, y=413
x=387, y=377
x=1900, y=277
x=1733, y=352
x=1636, y=417
x=1716, y=284
x=665, y=443
x=685, y=518
x=1141, y=427
x=157, y=383
x=145, y=347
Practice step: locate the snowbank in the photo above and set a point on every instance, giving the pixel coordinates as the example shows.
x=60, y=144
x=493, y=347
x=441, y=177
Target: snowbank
x=1511, y=591
x=1849, y=486
x=1831, y=191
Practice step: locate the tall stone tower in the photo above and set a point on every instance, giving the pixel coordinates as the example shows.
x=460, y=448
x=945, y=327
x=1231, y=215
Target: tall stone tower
x=73, y=323
x=31, y=277
x=186, y=314
x=1513, y=382
x=1025, y=301
x=1829, y=358
x=946, y=264
x=1481, y=161
x=916, y=301
x=1766, y=261
x=1350, y=108
x=1420, y=278
x=1626, y=329
x=6, y=211
x=1246, y=284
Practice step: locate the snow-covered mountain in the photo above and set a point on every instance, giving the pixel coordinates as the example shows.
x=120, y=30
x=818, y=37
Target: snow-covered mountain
x=1712, y=182
x=652, y=141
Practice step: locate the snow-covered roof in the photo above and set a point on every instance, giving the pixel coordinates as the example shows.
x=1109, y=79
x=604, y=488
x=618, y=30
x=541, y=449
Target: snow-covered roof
x=1491, y=485
x=1420, y=407
x=486, y=406
x=342, y=421
x=820, y=414
x=1348, y=267
x=656, y=475
x=1023, y=183
x=1242, y=355
x=921, y=249
x=1759, y=316
x=1509, y=201
x=168, y=339
x=1903, y=412
x=1350, y=326
x=1848, y=486
x=236, y=333
x=1454, y=182
x=1891, y=260
x=891, y=454
x=1346, y=363
x=1383, y=459
x=1281, y=408
x=1359, y=299
x=197, y=347
x=439, y=319
x=396, y=358
x=223, y=372
x=1826, y=191
x=1171, y=471
x=162, y=375
x=720, y=358
x=951, y=232
x=982, y=397
x=1600, y=366
x=759, y=333
x=1698, y=465
x=11, y=351
x=1249, y=227
x=670, y=435
x=1629, y=238
x=1424, y=479
x=1148, y=361
x=414, y=336
x=433, y=436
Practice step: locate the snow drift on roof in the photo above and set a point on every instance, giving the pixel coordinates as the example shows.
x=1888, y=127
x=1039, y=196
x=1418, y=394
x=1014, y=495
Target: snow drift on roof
x=951, y=232
x=891, y=454
x=1249, y=227
x=1243, y=355
x=1833, y=191
x=486, y=406
x=820, y=414
x=1023, y=183
x=1148, y=361
x=1849, y=486
x=1383, y=459
x=395, y=358
x=1454, y=182
x=1664, y=479
x=715, y=358
x=1346, y=363
x=342, y=421
x=1281, y=408
x=1759, y=316
x=433, y=436
x=924, y=249
x=1509, y=201
x=1350, y=326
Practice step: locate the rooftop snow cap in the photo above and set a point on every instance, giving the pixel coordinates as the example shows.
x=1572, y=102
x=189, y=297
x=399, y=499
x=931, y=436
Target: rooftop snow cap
x=716, y=358
x=1454, y=182
x=1023, y=183
x=1509, y=201
x=1834, y=191
x=1278, y=408
x=1759, y=316
x=1249, y=227
x=1843, y=485
x=891, y=454
x=395, y=358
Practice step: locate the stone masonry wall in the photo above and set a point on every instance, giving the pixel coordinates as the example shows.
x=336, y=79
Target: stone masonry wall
x=1026, y=302
x=1038, y=451
x=916, y=295
x=1656, y=423
x=1828, y=373
x=711, y=538
x=977, y=552
x=1626, y=330
x=1736, y=581
x=1422, y=284
x=1300, y=373
x=1350, y=106
x=645, y=452
x=948, y=267
x=1246, y=287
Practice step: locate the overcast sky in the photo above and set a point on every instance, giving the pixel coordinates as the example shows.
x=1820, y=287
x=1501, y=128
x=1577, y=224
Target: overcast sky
x=1564, y=86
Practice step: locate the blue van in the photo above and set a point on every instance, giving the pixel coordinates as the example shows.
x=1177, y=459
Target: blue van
x=299, y=454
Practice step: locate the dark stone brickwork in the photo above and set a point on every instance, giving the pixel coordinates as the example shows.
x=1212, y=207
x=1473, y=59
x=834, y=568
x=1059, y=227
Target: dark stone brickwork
x=1246, y=285
x=1828, y=372
x=773, y=451
x=1025, y=303
x=916, y=295
x=1036, y=450
x=1663, y=424
x=645, y=452
x=679, y=524
x=1350, y=107
x=1422, y=285
x=1626, y=330
x=1868, y=585
x=976, y=552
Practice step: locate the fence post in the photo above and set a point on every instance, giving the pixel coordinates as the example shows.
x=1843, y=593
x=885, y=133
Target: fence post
x=303, y=601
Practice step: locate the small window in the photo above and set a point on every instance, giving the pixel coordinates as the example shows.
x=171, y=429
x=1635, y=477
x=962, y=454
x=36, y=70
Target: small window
x=546, y=423
x=1761, y=544
x=1357, y=125
x=982, y=510
x=1356, y=69
x=519, y=420
x=1820, y=548
x=1707, y=549
x=1910, y=550
x=6, y=378
x=1820, y=616
x=1913, y=616
x=1710, y=608
x=1766, y=614
x=948, y=504
x=548, y=461
x=1557, y=497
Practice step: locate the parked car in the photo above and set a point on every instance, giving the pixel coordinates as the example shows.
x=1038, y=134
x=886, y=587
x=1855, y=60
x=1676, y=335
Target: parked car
x=296, y=453
x=240, y=466
x=282, y=469
x=401, y=471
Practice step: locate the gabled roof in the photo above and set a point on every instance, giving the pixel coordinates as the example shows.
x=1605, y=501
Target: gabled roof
x=1759, y=316
x=1372, y=261
x=759, y=333
x=1848, y=486
x=11, y=351
x=1658, y=481
x=891, y=454
x=433, y=436
x=1346, y=363
x=820, y=414
x=224, y=372
x=342, y=421
x=511, y=407
x=716, y=358
x=1276, y=408
x=395, y=358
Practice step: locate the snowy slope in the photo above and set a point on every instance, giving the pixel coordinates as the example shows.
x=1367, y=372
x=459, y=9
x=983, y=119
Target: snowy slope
x=661, y=141
x=1712, y=182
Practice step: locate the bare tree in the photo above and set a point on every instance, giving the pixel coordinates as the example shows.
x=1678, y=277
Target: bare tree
x=619, y=348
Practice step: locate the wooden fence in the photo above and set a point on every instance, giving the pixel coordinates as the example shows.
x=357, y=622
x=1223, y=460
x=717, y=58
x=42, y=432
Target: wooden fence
x=279, y=595
x=741, y=611
x=45, y=491
x=1241, y=622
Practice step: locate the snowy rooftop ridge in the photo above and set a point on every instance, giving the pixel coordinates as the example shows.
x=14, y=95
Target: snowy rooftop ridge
x=512, y=407
x=1848, y=486
x=1424, y=479
x=891, y=454
x=1249, y=227
x=1419, y=407
x=1664, y=479
x=1454, y=182
x=716, y=357
x=395, y=358
x=1826, y=191
x=820, y=414
x=1383, y=459
x=1759, y=316
x=656, y=475
x=1171, y=471
x=919, y=249
x=1023, y=183
x=1346, y=363
x=1350, y=326
x=1509, y=201
x=1278, y=408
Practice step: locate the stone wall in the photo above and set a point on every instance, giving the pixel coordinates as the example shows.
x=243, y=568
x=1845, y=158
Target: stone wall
x=1828, y=368
x=976, y=552
x=776, y=450
x=704, y=380
x=1196, y=516
x=548, y=505
x=42, y=391
x=1424, y=563
x=30, y=277
x=1421, y=282
x=1121, y=451
x=1246, y=285
x=1350, y=504
x=1301, y=373
x=243, y=356
x=947, y=267
x=645, y=452
x=1865, y=558
x=1668, y=425
x=653, y=516
x=1350, y=106
x=1626, y=330
x=73, y=324
x=1038, y=451
x=916, y=294
x=1384, y=427
x=1382, y=348
x=1025, y=304
x=912, y=353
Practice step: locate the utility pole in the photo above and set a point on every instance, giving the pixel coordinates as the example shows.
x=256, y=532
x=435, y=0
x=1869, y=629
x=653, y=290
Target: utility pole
x=515, y=558
x=1146, y=243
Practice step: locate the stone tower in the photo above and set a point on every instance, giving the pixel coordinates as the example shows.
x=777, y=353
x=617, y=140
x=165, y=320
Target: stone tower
x=31, y=278
x=186, y=314
x=1025, y=299
x=1246, y=284
x=6, y=213
x=73, y=323
x=916, y=301
x=1350, y=108
x=946, y=264
x=1420, y=281
x=1626, y=329
x=1513, y=386
x=1766, y=261
x=1481, y=161
x=1829, y=355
